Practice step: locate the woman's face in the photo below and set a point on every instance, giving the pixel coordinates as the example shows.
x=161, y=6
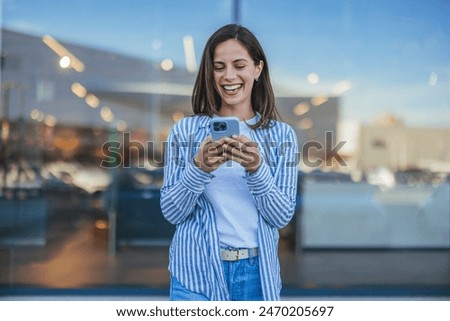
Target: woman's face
x=234, y=74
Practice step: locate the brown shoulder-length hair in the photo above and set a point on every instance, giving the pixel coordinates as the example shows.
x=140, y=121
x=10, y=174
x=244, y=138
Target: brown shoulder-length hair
x=206, y=100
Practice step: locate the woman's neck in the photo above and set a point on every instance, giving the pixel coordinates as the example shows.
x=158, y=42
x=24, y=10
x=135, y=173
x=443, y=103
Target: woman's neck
x=242, y=114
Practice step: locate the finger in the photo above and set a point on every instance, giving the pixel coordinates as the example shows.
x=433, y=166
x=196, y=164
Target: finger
x=214, y=149
x=215, y=162
x=238, y=156
x=229, y=141
x=241, y=138
x=212, y=160
x=246, y=158
x=242, y=141
x=231, y=147
x=223, y=140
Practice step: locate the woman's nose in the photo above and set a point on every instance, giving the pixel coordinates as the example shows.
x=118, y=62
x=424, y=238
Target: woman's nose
x=230, y=73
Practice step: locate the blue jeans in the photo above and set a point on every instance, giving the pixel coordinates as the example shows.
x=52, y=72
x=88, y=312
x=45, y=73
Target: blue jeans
x=242, y=278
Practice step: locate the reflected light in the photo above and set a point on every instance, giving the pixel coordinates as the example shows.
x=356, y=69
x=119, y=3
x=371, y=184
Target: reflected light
x=318, y=100
x=189, y=53
x=301, y=108
x=62, y=52
x=92, y=100
x=50, y=121
x=306, y=123
x=341, y=87
x=41, y=116
x=106, y=114
x=64, y=62
x=176, y=116
x=167, y=64
x=313, y=78
x=36, y=114
x=433, y=79
x=101, y=224
x=4, y=131
x=66, y=144
x=121, y=125
x=78, y=89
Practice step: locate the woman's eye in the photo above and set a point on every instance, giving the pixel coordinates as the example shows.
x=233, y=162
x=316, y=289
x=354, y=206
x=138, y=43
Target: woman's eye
x=219, y=68
x=240, y=67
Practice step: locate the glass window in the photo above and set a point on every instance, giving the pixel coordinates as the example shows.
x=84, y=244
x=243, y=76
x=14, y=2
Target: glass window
x=90, y=90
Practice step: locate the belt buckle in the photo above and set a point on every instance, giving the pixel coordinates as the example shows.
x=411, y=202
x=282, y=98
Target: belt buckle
x=237, y=254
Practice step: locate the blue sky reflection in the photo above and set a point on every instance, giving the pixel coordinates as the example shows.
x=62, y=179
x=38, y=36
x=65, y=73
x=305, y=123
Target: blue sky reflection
x=381, y=56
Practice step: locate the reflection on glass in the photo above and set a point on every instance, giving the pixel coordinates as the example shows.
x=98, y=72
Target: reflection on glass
x=92, y=100
x=64, y=62
x=79, y=90
x=63, y=53
x=380, y=91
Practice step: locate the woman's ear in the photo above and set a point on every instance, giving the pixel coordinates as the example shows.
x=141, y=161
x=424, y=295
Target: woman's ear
x=259, y=69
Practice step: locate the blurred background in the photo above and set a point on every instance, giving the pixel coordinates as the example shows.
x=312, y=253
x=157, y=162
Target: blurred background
x=90, y=90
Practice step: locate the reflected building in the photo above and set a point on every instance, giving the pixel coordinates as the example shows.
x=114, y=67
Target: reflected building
x=311, y=117
x=66, y=105
x=68, y=98
x=388, y=143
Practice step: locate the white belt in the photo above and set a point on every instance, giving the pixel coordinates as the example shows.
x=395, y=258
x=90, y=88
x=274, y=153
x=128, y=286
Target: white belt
x=238, y=254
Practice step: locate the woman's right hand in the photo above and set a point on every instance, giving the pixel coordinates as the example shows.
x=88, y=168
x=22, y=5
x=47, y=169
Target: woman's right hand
x=210, y=155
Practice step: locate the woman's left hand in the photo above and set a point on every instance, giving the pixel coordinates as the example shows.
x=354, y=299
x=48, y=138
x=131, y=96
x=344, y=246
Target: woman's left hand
x=244, y=151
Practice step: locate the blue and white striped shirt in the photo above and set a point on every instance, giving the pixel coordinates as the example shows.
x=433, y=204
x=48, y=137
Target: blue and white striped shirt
x=194, y=257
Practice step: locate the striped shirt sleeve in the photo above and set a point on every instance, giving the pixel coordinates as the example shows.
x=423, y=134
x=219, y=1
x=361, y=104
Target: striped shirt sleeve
x=183, y=181
x=274, y=184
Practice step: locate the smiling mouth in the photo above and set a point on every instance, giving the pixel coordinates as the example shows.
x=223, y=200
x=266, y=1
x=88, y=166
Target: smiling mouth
x=231, y=88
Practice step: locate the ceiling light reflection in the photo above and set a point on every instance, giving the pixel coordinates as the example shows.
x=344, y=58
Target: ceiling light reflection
x=78, y=89
x=318, y=100
x=50, y=120
x=341, y=87
x=64, y=62
x=313, y=78
x=189, y=53
x=167, y=64
x=36, y=114
x=106, y=114
x=121, y=125
x=92, y=100
x=306, y=123
x=301, y=108
x=62, y=52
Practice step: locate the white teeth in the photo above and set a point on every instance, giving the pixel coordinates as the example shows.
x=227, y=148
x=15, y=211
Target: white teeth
x=231, y=87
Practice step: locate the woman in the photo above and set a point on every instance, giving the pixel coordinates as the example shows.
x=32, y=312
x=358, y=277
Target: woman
x=228, y=198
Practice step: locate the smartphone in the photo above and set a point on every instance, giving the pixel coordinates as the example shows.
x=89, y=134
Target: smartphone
x=223, y=126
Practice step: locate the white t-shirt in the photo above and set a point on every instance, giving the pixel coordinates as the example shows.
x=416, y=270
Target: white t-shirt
x=236, y=214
